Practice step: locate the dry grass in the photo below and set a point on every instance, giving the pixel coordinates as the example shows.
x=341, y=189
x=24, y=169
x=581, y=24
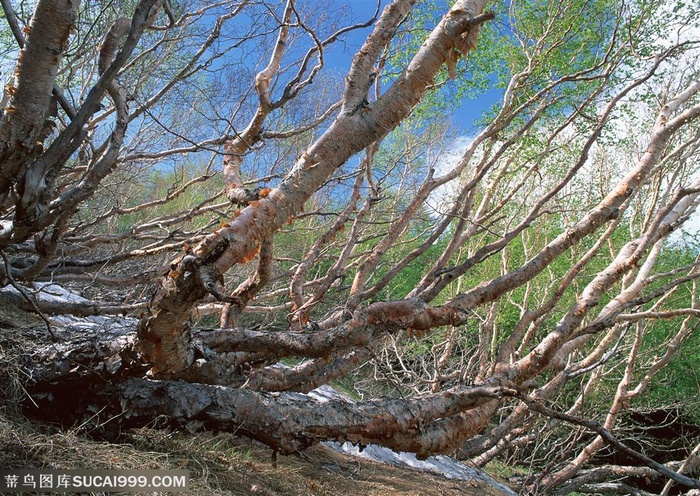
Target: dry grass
x=218, y=463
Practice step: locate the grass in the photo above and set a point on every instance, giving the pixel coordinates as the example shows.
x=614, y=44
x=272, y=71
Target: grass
x=218, y=463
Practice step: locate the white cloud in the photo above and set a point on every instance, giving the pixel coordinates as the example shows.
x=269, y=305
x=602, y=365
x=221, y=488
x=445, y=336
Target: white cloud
x=444, y=160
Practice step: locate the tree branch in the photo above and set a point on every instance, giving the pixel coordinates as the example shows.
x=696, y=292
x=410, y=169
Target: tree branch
x=608, y=437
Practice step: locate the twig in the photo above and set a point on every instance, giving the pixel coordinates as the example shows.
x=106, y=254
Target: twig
x=27, y=296
x=609, y=438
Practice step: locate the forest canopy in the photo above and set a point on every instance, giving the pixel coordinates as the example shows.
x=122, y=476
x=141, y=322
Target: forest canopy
x=476, y=219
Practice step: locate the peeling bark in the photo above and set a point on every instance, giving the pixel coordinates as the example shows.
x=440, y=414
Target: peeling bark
x=24, y=116
x=352, y=131
x=34, y=176
x=100, y=370
x=458, y=379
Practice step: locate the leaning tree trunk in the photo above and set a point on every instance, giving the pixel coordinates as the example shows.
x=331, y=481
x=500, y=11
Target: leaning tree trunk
x=104, y=371
x=164, y=332
x=99, y=370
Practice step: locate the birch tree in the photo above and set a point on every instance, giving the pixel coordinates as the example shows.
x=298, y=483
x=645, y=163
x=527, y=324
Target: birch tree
x=314, y=217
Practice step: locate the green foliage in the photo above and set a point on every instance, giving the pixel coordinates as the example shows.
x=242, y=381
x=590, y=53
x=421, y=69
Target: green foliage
x=679, y=382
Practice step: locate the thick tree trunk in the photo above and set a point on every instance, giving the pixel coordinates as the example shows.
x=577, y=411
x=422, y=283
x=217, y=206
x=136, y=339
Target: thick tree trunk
x=163, y=331
x=98, y=370
x=24, y=116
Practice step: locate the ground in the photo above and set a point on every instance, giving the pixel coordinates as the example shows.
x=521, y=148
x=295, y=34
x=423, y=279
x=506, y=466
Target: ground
x=219, y=463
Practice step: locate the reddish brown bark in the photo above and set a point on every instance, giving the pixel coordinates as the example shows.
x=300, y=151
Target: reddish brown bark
x=356, y=128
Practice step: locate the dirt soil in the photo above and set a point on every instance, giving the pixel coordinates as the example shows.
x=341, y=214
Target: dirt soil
x=220, y=463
